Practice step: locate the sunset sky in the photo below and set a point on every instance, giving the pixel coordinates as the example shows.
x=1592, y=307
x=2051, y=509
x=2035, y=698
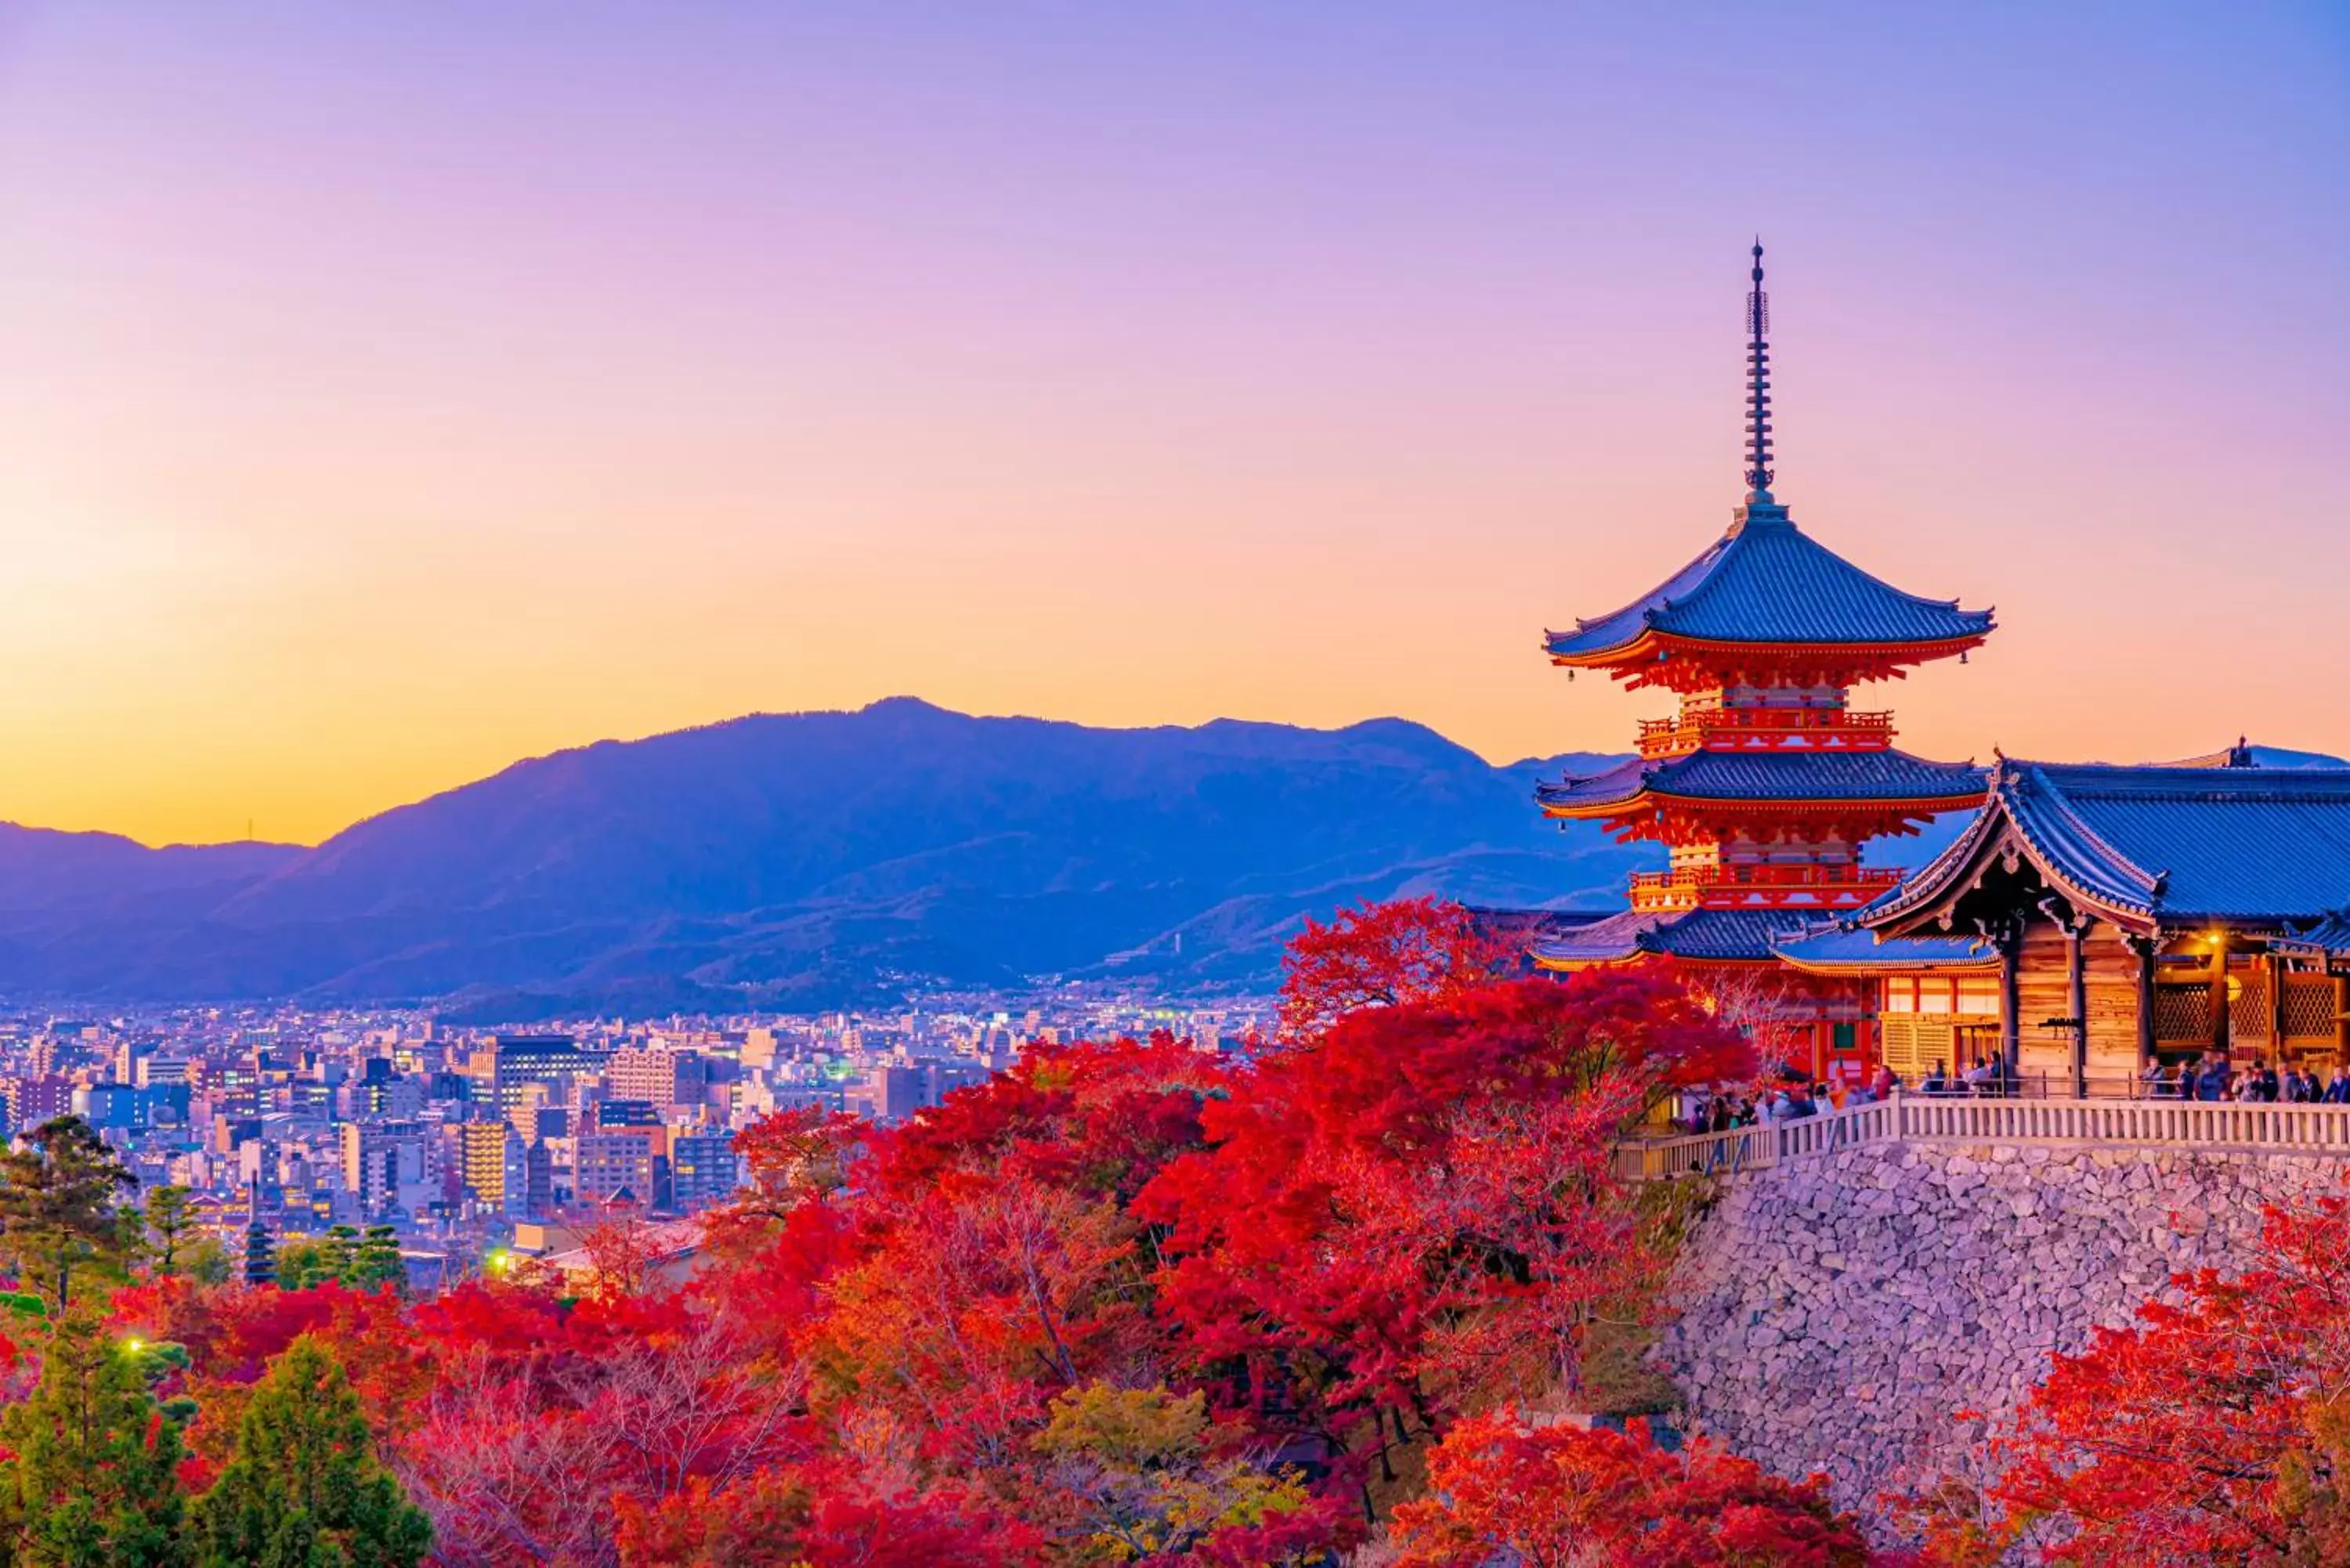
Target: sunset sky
x=389, y=391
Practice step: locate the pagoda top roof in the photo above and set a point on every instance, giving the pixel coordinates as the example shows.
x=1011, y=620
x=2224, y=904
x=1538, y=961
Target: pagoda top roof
x=1766, y=581
x=1696, y=935
x=2150, y=847
x=1884, y=775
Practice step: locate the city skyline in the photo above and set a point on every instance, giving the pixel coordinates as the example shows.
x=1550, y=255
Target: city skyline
x=486, y=387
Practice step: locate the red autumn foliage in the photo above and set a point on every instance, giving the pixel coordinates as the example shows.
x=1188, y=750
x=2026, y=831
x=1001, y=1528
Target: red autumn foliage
x=1386, y=955
x=824, y=1515
x=1419, y=1207
x=1126, y=1292
x=2216, y=1430
x=788, y=1161
x=997, y=1263
x=1564, y=1497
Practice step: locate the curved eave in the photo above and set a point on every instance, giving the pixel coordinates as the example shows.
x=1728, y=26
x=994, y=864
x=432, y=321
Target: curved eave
x=2254, y=922
x=1647, y=799
x=1569, y=966
x=2329, y=939
x=1652, y=646
x=1862, y=968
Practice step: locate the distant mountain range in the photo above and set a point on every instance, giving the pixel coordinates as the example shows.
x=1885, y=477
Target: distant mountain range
x=813, y=861
x=809, y=859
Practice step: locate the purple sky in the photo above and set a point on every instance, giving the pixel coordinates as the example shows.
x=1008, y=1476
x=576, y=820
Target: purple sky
x=393, y=391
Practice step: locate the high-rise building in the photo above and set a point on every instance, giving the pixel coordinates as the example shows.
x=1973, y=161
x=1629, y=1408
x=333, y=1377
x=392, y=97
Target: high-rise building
x=384, y=1165
x=703, y=1170
x=490, y=1161
x=627, y=1164
x=665, y=1076
x=105, y=1106
x=538, y=1181
x=36, y=1099
x=519, y=1061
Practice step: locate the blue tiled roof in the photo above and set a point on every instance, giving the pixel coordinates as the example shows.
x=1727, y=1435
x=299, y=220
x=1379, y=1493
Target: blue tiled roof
x=1767, y=581
x=1781, y=776
x=1675, y=933
x=1849, y=947
x=2168, y=844
x=2330, y=937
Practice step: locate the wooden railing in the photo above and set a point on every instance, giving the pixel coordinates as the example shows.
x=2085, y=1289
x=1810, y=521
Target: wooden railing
x=1754, y=1147
x=1766, y=729
x=2182, y=1124
x=1965, y=1119
x=1737, y=886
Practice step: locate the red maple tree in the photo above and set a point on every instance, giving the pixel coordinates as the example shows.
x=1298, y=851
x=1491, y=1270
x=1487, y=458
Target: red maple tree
x=1567, y=1497
x=1386, y=955
x=1420, y=1209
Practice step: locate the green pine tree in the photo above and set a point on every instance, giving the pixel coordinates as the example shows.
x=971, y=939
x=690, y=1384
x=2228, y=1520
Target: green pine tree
x=304, y=1489
x=205, y=1260
x=57, y=1218
x=378, y=1262
x=338, y=1255
x=331, y=1259
x=92, y=1481
x=170, y=1227
x=300, y=1266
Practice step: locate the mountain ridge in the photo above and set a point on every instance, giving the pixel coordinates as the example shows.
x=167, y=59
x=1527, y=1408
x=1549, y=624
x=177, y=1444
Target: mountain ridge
x=818, y=858
x=821, y=853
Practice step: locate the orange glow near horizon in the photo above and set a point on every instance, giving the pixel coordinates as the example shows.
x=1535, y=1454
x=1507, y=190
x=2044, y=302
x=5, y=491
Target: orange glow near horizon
x=388, y=398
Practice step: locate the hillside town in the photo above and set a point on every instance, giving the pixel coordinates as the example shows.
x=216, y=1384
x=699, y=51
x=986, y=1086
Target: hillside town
x=291, y=1129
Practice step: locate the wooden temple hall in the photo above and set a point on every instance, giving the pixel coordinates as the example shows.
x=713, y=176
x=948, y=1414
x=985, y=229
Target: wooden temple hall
x=2091, y=920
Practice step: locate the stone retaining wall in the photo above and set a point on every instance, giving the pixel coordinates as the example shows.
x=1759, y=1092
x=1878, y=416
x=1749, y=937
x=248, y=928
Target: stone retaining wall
x=1833, y=1312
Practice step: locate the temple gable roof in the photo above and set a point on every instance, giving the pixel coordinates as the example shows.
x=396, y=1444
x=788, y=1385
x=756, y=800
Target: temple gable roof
x=2153, y=847
x=1767, y=582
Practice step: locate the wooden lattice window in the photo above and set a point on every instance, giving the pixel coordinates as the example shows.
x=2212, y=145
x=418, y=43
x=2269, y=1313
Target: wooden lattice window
x=1911, y=1044
x=2247, y=1005
x=2183, y=1012
x=2310, y=1002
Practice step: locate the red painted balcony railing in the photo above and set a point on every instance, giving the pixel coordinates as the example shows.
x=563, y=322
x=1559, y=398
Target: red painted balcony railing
x=1766, y=730
x=1761, y=886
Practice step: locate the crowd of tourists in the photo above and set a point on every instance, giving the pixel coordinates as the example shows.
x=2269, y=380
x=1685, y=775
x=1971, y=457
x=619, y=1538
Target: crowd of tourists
x=1721, y=1112
x=1984, y=1075
x=2213, y=1077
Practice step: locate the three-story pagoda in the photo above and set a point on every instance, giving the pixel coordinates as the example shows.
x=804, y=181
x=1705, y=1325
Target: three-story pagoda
x=1765, y=783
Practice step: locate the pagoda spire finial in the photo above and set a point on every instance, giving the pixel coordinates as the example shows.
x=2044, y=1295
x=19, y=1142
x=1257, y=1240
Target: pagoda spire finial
x=1758, y=386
